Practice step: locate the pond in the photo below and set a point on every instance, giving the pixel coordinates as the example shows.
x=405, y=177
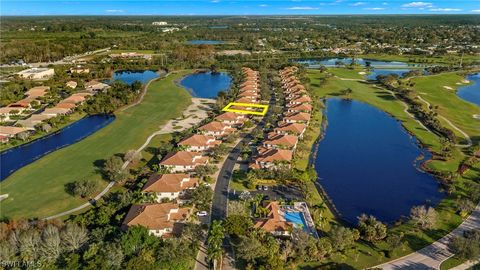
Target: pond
x=367, y=163
x=130, y=76
x=204, y=42
x=471, y=92
x=22, y=155
x=206, y=84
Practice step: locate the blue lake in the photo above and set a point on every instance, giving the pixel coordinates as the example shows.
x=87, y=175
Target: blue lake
x=130, y=76
x=207, y=84
x=367, y=163
x=471, y=92
x=20, y=156
x=204, y=42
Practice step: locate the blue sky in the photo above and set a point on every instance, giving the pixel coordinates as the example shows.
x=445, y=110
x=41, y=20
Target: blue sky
x=245, y=7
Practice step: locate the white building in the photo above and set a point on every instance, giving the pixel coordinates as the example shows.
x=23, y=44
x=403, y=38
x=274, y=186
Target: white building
x=37, y=73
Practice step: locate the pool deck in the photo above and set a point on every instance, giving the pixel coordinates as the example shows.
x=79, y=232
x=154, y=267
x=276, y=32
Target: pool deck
x=303, y=209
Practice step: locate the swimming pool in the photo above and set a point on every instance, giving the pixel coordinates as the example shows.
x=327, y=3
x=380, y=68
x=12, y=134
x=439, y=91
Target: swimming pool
x=297, y=219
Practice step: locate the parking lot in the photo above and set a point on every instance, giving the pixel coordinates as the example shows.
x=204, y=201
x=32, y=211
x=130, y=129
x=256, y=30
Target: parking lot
x=289, y=193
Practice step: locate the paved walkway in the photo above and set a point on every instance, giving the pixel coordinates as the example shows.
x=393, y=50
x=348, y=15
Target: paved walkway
x=432, y=256
x=469, y=140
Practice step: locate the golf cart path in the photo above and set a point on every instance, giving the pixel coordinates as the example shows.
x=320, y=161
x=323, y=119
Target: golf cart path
x=469, y=140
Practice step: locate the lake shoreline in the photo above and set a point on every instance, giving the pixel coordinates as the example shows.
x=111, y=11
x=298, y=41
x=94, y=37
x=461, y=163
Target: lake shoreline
x=419, y=163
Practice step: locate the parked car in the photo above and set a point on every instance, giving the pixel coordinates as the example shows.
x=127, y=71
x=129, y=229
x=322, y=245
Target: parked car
x=259, y=187
x=202, y=213
x=265, y=188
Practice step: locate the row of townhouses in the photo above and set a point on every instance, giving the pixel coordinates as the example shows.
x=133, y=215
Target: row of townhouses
x=278, y=147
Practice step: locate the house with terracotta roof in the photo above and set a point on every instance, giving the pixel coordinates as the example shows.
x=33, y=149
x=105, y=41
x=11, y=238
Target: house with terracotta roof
x=300, y=100
x=7, y=112
x=296, y=129
x=66, y=105
x=183, y=161
x=95, y=86
x=169, y=186
x=275, y=222
x=37, y=91
x=272, y=158
x=296, y=117
x=304, y=107
x=199, y=142
x=10, y=132
x=280, y=141
x=56, y=111
x=40, y=117
x=161, y=219
x=249, y=94
x=231, y=118
x=75, y=99
x=25, y=103
x=216, y=129
x=246, y=100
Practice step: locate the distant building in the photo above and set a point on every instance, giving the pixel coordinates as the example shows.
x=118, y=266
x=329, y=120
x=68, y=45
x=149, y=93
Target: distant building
x=79, y=70
x=131, y=55
x=37, y=73
x=71, y=84
x=95, y=86
x=159, y=23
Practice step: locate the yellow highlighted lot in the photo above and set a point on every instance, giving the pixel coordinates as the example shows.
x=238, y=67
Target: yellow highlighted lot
x=263, y=108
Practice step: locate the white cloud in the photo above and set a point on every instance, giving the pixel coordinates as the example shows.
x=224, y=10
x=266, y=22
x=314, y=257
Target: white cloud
x=215, y=1
x=114, y=11
x=418, y=5
x=302, y=8
x=445, y=9
x=263, y=5
x=384, y=3
x=374, y=8
x=476, y=10
x=358, y=4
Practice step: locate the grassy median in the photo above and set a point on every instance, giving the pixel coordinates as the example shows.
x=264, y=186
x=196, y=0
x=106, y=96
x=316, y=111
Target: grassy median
x=37, y=190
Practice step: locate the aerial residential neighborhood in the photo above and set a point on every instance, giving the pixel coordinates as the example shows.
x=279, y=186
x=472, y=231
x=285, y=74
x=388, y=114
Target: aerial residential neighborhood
x=198, y=135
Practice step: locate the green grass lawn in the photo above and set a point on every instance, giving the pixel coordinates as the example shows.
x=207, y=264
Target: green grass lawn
x=37, y=190
x=458, y=111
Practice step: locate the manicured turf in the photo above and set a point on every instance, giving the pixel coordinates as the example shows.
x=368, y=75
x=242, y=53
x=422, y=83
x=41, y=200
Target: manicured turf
x=458, y=111
x=37, y=190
